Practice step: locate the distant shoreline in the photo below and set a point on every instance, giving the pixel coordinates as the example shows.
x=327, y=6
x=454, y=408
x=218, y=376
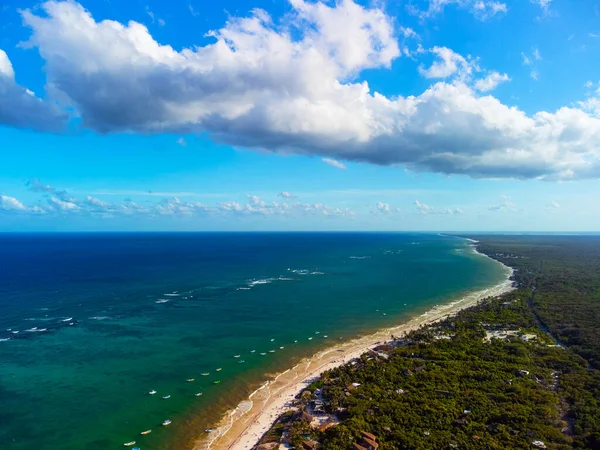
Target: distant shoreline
x=243, y=427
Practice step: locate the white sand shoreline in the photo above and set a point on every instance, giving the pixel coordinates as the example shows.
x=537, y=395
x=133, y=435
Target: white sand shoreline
x=243, y=427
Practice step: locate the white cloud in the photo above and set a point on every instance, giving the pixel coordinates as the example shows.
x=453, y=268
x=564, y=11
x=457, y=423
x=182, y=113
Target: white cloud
x=425, y=209
x=544, y=4
x=449, y=63
x=383, y=207
x=534, y=75
x=61, y=205
x=290, y=87
x=334, y=163
x=491, y=81
x=11, y=204
x=536, y=54
x=6, y=68
x=526, y=59
x=181, y=141
x=481, y=9
x=505, y=205
x=19, y=107
x=408, y=33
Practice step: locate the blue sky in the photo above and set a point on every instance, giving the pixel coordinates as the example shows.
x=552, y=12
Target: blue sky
x=300, y=115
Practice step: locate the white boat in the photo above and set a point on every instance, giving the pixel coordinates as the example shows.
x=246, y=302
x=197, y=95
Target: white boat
x=198, y=394
x=262, y=354
x=129, y=444
x=281, y=348
x=310, y=339
x=152, y=392
x=219, y=369
x=209, y=430
x=236, y=356
x=68, y=319
x=272, y=340
x=166, y=422
x=205, y=374
x=241, y=361
x=271, y=351
x=15, y=332
x=189, y=380
x=146, y=432
x=166, y=397
x=252, y=351
x=295, y=342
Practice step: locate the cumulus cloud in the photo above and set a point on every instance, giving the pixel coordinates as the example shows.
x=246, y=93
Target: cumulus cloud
x=384, y=208
x=19, y=107
x=425, y=209
x=491, y=81
x=62, y=205
x=11, y=204
x=60, y=202
x=449, y=63
x=182, y=142
x=291, y=87
x=334, y=163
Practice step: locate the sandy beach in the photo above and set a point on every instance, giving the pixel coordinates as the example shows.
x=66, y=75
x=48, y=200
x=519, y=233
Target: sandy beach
x=243, y=427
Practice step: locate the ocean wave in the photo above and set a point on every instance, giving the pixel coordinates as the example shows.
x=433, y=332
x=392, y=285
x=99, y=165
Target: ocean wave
x=360, y=257
x=306, y=272
x=174, y=294
x=99, y=317
x=4, y=339
x=162, y=300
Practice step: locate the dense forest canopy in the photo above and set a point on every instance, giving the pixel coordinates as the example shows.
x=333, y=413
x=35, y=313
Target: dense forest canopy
x=517, y=371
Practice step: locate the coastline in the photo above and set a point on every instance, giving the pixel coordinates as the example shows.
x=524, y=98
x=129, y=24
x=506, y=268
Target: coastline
x=243, y=427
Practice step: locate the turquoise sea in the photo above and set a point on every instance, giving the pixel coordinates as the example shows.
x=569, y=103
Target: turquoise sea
x=90, y=323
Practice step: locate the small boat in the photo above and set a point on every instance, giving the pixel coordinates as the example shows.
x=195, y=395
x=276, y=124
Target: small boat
x=281, y=348
x=219, y=369
x=252, y=351
x=152, y=392
x=166, y=422
x=216, y=381
x=68, y=319
x=209, y=430
x=325, y=336
x=241, y=361
x=295, y=342
x=272, y=340
x=236, y=356
x=198, y=394
x=205, y=374
x=15, y=332
x=146, y=432
x=271, y=351
x=310, y=339
x=262, y=354
x=166, y=396
x=189, y=380
x=129, y=444
x=317, y=332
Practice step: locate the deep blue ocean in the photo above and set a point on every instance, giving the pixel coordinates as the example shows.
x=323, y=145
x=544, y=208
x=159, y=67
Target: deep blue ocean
x=90, y=323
